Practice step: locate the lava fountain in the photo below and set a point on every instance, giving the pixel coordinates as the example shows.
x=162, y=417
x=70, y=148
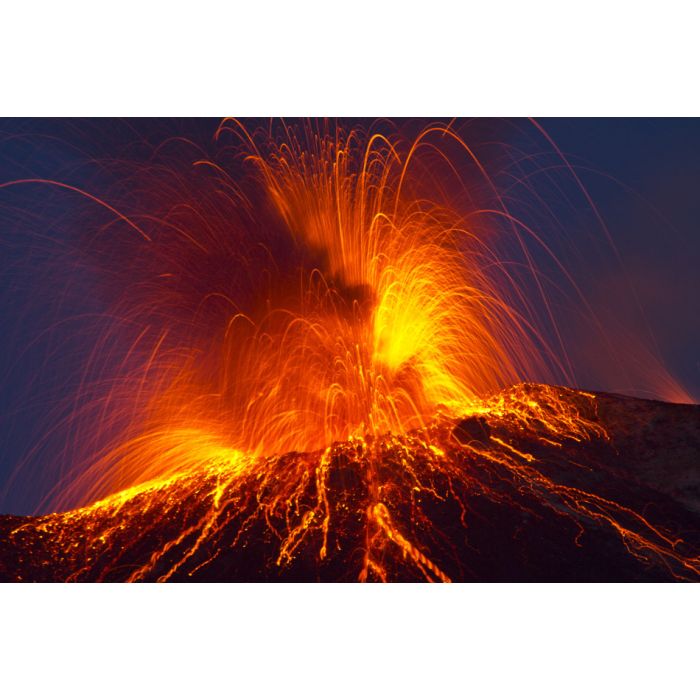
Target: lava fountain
x=327, y=348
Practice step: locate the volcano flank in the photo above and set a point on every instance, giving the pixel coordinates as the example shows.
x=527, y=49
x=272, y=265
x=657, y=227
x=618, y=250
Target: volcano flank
x=542, y=484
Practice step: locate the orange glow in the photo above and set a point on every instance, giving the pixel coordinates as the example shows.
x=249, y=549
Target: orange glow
x=400, y=319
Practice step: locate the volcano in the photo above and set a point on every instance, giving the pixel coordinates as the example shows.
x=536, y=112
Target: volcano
x=305, y=363
x=544, y=484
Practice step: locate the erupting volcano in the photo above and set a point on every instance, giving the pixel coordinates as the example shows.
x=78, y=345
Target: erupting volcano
x=334, y=352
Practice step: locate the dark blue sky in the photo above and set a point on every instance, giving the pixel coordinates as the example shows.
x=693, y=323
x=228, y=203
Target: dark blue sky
x=642, y=175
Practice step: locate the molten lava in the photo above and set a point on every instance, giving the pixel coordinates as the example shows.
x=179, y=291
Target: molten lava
x=343, y=410
x=531, y=488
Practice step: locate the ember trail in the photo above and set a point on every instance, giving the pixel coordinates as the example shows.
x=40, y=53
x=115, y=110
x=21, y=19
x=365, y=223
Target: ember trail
x=331, y=381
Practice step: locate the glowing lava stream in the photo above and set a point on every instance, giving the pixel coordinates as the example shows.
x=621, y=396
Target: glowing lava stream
x=397, y=321
x=227, y=502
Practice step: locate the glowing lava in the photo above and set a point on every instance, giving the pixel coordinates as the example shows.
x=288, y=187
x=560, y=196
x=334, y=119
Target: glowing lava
x=315, y=415
x=407, y=507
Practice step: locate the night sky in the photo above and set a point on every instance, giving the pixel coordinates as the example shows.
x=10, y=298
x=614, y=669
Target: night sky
x=641, y=175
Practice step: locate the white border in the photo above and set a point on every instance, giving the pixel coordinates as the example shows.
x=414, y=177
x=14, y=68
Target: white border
x=351, y=58
x=349, y=641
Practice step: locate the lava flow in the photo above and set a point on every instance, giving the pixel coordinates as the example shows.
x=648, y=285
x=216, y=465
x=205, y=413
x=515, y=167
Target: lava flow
x=356, y=405
x=533, y=487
